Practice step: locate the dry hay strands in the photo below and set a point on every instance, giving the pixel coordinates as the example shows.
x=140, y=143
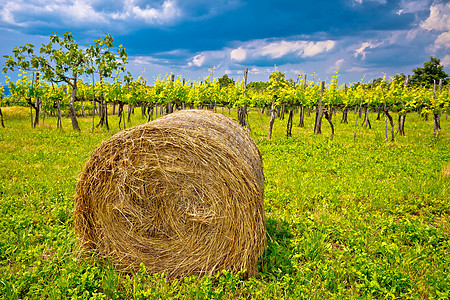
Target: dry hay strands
x=182, y=194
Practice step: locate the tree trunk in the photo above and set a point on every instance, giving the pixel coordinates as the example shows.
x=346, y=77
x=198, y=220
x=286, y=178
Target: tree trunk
x=82, y=109
x=120, y=113
x=43, y=113
x=93, y=111
x=1, y=118
x=31, y=113
x=143, y=109
x=243, y=116
x=358, y=114
x=302, y=117
x=242, y=111
x=401, y=124
x=289, y=123
x=149, y=113
x=388, y=116
x=272, y=119
x=169, y=107
x=101, y=113
x=105, y=107
x=93, y=101
x=130, y=108
x=437, y=115
x=59, y=122
x=328, y=117
x=319, y=113
x=72, y=113
x=344, y=115
x=366, y=117
x=437, y=123
x=36, y=112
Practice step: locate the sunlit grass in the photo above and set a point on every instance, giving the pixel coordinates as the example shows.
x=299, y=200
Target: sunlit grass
x=348, y=218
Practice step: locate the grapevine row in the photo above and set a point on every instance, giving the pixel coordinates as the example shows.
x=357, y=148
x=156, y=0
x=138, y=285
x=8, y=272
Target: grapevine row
x=384, y=97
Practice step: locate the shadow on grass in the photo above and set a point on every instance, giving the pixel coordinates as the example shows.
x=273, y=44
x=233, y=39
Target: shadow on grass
x=276, y=259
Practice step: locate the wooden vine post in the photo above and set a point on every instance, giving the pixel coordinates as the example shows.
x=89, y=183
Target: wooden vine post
x=169, y=108
x=345, y=110
x=290, y=119
x=93, y=101
x=242, y=110
x=58, y=107
x=402, y=114
x=358, y=113
x=436, y=112
x=366, y=110
x=302, y=107
x=1, y=118
x=327, y=112
x=319, y=113
x=386, y=117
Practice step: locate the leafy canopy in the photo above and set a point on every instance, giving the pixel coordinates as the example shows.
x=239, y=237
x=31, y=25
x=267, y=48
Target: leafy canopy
x=63, y=60
x=432, y=71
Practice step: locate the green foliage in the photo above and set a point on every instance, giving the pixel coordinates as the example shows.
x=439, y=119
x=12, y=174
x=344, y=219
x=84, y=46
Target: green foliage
x=62, y=60
x=225, y=81
x=430, y=73
x=258, y=85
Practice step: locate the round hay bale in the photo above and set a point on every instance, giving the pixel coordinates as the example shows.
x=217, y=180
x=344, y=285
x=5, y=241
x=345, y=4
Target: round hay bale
x=182, y=194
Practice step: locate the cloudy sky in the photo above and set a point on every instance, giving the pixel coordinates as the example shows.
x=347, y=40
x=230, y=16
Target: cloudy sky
x=190, y=37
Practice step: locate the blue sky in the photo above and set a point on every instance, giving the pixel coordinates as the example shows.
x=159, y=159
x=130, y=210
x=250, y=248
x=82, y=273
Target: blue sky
x=189, y=38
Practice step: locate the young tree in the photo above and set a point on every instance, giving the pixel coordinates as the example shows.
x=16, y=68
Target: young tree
x=277, y=83
x=63, y=60
x=431, y=72
x=103, y=62
x=225, y=81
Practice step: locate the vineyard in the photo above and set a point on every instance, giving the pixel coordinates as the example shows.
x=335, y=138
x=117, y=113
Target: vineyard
x=279, y=96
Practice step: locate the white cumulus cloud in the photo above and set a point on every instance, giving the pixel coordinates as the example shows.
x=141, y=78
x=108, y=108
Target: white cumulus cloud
x=301, y=48
x=443, y=41
x=314, y=48
x=26, y=13
x=160, y=15
x=238, y=54
x=197, y=60
x=362, y=50
x=412, y=6
x=439, y=18
x=446, y=61
x=50, y=12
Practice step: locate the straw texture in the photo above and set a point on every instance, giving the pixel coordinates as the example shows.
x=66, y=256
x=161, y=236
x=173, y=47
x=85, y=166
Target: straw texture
x=182, y=194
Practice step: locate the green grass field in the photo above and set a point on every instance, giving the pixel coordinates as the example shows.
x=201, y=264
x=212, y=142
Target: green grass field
x=346, y=219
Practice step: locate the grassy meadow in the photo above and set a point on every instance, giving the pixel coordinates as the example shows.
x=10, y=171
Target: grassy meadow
x=346, y=219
